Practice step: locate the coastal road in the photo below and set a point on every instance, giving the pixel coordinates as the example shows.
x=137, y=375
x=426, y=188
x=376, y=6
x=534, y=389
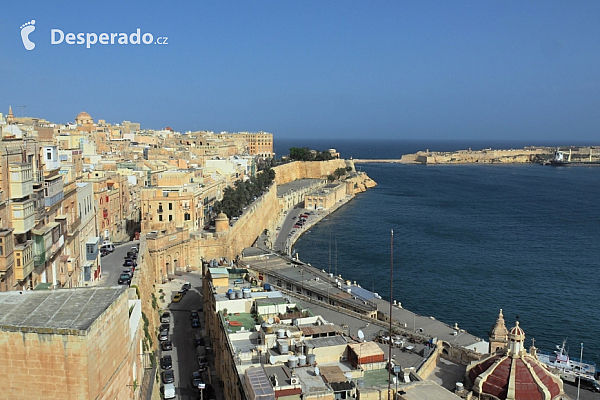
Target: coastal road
x=112, y=264
x=571, y=391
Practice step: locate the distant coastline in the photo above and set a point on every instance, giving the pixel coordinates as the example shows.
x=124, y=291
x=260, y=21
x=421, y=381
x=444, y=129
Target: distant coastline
x=532, y=154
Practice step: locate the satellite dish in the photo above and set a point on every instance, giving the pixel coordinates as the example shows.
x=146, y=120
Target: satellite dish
x=270, y=320
x=272, y=360
x=288, y=333
x=361, y=335
x=317, y=371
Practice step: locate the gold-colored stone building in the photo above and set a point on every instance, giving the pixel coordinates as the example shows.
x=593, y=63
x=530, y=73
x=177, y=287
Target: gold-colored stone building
x=70, y=343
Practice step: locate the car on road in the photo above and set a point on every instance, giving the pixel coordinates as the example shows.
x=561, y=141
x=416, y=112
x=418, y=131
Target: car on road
x=128, y=263
x=169, y=391
x=165, y=318
x=186, y=286
x=195, y=323
x=168, y=376
x=197, y=381
x=128, y=271
x=166, y=362
x=166, y=345
x=177, y=298
x=194, y=315
x=165, y=327
x=124, y=279
x=163, y=335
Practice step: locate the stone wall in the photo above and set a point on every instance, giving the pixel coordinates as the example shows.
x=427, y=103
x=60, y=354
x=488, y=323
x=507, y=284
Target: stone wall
x=81, y=365
x=261, y=215
x=307, y=169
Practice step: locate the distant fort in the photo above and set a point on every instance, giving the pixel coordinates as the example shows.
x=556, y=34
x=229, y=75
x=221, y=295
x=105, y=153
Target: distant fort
x=533, y=154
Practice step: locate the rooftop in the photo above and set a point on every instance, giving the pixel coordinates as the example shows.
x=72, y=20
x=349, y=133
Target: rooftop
x=63, y=310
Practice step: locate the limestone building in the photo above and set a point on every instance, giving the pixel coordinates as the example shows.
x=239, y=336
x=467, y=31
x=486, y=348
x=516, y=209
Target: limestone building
x=71, y=343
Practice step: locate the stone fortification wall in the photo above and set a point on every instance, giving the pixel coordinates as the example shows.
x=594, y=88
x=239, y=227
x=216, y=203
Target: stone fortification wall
x=307, y=169
x=487, y=156
x=261, y=215
x=360, y=183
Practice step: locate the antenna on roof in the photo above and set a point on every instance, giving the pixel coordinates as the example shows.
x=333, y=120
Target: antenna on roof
x=271, y=359
x=361, y=335
x=317, y=371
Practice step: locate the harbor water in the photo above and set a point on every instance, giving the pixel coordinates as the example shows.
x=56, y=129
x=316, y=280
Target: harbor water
x=471, y=239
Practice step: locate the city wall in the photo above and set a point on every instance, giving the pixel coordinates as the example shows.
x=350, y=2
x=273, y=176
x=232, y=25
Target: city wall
x=173, y=249
x=308, y=169
x=486, y=156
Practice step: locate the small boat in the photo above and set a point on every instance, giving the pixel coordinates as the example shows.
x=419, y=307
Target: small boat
x=561, y=361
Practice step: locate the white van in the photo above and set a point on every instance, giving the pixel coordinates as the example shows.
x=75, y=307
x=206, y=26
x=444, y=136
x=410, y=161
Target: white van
x=169, y=391
x=108, y=246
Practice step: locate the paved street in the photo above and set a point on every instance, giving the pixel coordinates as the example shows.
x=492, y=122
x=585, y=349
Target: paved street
x=112, y=264
x=181, y=333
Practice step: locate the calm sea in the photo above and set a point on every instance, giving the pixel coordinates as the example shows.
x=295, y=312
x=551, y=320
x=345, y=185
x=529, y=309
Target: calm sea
x=471, y=239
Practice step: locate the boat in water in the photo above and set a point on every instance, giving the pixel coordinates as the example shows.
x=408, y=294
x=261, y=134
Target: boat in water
x=559, y=360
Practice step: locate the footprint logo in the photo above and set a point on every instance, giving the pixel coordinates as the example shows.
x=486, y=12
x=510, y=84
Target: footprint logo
x=26, y=29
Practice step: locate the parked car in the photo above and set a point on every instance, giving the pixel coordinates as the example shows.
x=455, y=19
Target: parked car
x=186, y=286
x=166, y=345
x=195, y=323
x=177, y=298
x=169, y=391
x=128, y=271
x=124, y=279
x=168, y=376
x=165, y=318
x=194, y=315
x=197, y=381
x=166, y=362
x=164, y=327
x=128, y=263
x=163, y=335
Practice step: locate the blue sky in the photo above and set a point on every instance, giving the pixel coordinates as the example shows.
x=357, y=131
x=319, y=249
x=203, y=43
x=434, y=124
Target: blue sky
x=336, y=69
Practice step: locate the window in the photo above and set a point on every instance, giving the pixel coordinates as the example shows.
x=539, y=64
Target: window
x=160, y=217
x=49, y=155
x=170, y=217
x=186, y=216
x=170, y=206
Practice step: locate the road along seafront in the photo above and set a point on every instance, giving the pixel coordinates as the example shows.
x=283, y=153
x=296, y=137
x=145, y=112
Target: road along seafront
x=288, y=232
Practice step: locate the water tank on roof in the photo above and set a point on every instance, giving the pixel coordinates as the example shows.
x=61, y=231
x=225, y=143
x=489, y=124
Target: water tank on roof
x=267, y=287
x=292, y=361
x=246, y=293
x=231, y=295
x=459, y=386
x=283, y=347
x=238, y=294
x=310, y=359
x=302, y=360
x=280, y=333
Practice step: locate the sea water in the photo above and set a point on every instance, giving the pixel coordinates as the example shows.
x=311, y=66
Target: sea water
x=471, y=239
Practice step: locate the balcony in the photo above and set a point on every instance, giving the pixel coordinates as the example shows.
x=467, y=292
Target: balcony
x=23, y=260
x=23, y=216
x=92, y=248
x=21, y=180
x=53, y=190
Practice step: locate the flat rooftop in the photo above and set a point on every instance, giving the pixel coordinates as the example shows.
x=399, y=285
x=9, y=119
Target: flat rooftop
x=60, y=311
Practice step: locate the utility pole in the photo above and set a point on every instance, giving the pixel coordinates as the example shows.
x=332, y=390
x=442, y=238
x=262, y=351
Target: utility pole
x=391, y=311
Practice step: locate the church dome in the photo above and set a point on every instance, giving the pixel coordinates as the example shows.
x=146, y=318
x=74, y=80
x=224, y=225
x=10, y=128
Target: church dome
x=514, y=374
x=83, y=118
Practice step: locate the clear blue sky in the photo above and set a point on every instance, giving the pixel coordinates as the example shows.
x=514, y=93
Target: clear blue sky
x=351, y=69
